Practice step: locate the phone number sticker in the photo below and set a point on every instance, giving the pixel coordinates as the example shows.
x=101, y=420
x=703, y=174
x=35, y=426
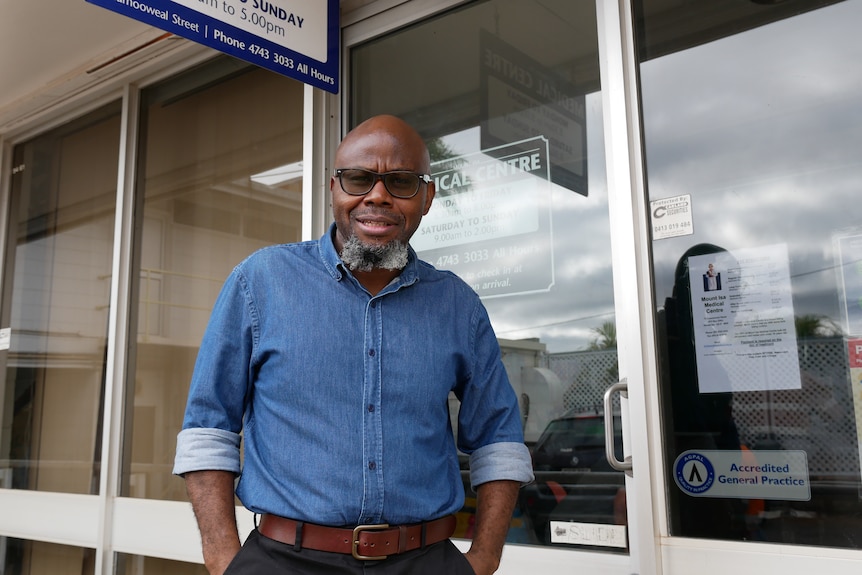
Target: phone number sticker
x=671, y=217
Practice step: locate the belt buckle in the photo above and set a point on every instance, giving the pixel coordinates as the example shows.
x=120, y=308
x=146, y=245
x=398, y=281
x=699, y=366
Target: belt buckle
x=354, y=548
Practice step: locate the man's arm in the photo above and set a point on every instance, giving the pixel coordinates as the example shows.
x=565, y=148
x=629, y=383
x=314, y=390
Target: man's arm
x=495, y=504
x=212, y=496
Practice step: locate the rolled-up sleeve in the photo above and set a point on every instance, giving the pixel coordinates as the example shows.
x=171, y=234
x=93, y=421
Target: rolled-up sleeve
x=201, y=449
x=210, y=436
x=501, y=461
x=490, y=428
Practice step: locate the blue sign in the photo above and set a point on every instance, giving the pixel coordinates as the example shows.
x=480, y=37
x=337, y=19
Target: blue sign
x=296, y=38
x=694, y=472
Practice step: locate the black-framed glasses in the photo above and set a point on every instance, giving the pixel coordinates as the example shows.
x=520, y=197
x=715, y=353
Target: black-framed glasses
x=400, y=184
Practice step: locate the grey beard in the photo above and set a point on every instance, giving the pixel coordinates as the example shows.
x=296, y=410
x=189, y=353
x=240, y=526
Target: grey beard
x=364, y=258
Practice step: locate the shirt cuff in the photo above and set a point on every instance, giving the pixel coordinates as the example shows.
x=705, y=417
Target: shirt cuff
x=206, y=449
x=501, y=461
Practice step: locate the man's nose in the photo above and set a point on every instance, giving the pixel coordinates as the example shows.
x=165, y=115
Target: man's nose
x=378, y=193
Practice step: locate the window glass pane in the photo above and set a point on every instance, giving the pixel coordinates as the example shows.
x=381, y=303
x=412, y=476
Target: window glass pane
x=23, y=557
x=141, y=565
x=220, y=176
x=55, y=301
x=507, y=95
x=753, y=139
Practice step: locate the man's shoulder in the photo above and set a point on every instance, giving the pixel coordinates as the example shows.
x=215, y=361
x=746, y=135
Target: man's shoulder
x=280, y=256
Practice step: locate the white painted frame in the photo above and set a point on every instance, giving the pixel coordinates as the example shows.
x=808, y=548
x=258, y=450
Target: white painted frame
x=631, y=315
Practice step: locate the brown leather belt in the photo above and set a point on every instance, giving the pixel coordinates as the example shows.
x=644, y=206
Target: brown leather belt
x=364, y=542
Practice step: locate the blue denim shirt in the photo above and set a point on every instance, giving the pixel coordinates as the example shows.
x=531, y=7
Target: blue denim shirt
x=342, y=398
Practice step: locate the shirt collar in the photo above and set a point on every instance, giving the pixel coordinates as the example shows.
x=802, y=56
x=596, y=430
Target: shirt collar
x=332, y=261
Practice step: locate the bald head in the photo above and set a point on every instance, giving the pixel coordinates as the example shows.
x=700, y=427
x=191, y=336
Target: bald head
x=392, y=133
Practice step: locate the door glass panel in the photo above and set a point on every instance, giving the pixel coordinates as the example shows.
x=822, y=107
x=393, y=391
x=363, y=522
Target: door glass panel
x=55, y=304
x=25, y=557
x=220, y=176
x=507, y=95
x=752, y=134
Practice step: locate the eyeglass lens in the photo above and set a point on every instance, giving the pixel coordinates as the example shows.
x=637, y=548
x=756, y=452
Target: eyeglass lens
x=399, y=184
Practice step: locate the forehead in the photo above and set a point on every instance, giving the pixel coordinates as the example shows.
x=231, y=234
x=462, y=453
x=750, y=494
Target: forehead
x=382, y=151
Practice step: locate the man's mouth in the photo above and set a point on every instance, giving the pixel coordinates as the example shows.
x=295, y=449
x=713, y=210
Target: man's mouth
x=375, y=223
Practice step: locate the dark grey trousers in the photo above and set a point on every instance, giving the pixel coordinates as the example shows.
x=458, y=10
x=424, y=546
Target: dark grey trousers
x=263, y=556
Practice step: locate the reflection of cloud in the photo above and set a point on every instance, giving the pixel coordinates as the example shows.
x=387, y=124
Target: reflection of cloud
x=764, y=131
x=582, y=295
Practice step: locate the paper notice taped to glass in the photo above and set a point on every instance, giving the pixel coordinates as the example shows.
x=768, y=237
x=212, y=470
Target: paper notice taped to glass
x=597, y=534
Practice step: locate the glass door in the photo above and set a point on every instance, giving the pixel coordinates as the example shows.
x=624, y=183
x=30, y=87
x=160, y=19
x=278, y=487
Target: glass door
x=509, y=96
x=751, y=135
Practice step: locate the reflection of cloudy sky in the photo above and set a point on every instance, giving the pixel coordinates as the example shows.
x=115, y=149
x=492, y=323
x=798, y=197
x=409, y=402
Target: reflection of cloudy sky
x=764, y=130
x=582, y=295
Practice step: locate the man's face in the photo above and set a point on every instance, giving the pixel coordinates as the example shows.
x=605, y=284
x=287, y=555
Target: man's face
x=378, y=218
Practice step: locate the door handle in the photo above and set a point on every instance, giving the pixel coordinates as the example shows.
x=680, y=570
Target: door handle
x=623, y=388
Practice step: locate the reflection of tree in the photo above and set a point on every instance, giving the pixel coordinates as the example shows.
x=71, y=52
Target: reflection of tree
x=606, y=336
x=813, y=325
x=439, y=150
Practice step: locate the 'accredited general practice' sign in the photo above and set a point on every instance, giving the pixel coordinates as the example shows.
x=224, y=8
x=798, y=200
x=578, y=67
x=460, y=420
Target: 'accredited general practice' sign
x=296, y=38
x=744, y=474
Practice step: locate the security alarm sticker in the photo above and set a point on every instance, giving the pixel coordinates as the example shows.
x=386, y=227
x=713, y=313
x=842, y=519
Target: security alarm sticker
x=671, y=217
x=744, y=474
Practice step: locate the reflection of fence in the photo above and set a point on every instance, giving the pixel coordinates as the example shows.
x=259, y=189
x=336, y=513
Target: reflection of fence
x=589, y=374
x=165, y=291
x=818, y=418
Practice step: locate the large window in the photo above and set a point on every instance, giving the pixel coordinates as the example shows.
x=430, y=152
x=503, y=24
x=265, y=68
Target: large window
x=507, y=94
x=219, y=177
x=752, y=130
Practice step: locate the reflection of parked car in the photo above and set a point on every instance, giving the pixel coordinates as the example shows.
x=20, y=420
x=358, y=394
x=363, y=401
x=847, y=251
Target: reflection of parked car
x=574, y=481
x=575, y=441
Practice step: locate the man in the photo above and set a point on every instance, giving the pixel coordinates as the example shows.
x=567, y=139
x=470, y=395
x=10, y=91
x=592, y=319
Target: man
x=335, y=360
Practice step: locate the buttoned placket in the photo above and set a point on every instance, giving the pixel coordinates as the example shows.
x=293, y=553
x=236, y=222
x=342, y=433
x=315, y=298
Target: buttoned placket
x=372, y=427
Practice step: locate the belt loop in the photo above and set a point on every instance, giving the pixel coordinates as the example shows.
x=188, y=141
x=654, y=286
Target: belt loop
x=297, y=541
x=422, y=536
x=256, y=520
x=402, y=538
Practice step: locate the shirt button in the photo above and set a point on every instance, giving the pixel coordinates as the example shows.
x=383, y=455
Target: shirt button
x=371, y=352
x=370, y=407
x=372, y=466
